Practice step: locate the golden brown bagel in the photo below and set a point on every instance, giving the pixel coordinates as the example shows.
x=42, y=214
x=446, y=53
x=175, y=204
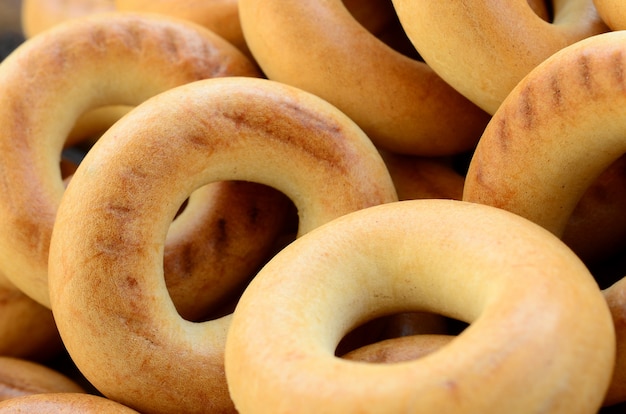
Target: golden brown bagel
x=538, y=321
x=137, y=349
x=506, y=41
x=90, y=62
x=613, y=12
x=63, y=403
x=19, y=377
x=399, y=102
x=40, y=15
x=557, y=131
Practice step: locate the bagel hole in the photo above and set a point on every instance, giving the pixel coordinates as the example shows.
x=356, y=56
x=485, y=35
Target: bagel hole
x=227, y=301
x=383, y=339
x=380, y=19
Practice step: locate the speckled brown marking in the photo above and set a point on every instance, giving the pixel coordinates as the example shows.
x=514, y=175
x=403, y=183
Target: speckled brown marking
x=97, y=38
x=584, y=68
x=557, y=94
x=502, y=133
x=527, y=106
x=131, y=37
x=294, y=125
x=221, y=233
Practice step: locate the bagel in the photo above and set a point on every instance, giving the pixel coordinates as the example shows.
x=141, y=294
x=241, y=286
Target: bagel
x=613, y=12
x=133, y=347
x=400, y=103
x=63, y=403
x=40, y=15
x=19, y=377
x=507, y=41
x=557, y=131
x=90, y=62
x=540, y=337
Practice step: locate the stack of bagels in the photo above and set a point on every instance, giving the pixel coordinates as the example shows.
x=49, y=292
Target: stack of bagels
x=305, y=206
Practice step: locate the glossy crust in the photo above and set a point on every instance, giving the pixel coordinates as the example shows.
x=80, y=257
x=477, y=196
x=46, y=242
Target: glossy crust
x=507, y=42
x=414, y=255
x=133, y=346
x=63, y=403
x=51, y=80
x=553, y=136
x=399, y=102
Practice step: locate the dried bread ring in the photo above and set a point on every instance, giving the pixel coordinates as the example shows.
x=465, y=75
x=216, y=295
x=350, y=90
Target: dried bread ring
x=400, y=102
x=613, y=12
x=89, y=62
x=63, y=403
x=40, y=15
x=556, y=132
x=19, y=377
x=507, y=41
x=137, y=349
x=414, y=255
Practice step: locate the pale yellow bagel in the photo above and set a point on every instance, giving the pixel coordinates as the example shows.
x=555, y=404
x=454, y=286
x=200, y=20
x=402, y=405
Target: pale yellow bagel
x=613, y=12
x=19, y=377
x=63, y=403
x=133, y=346
x=552, y=137
x=399, y=102
x=484, y=48
x=540, y=337
x=94, y=61
x=40, y=15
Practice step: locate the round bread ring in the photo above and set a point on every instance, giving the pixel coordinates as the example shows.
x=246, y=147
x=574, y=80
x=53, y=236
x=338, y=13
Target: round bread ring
x=41, y=15
x=510, y=40
x=613, y=12
x=400, y=103
x=63, y=403
x=137, y=349
x=535, y=161
x=98, y=60
x=19, y=377
x=413, y=255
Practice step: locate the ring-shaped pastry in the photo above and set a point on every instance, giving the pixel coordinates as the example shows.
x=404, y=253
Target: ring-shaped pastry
x=537, y=320
x=507, y=40
x=401, y=103
x=557, y=131
x=54, y=78
x=108, y=239
x=613, y=12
